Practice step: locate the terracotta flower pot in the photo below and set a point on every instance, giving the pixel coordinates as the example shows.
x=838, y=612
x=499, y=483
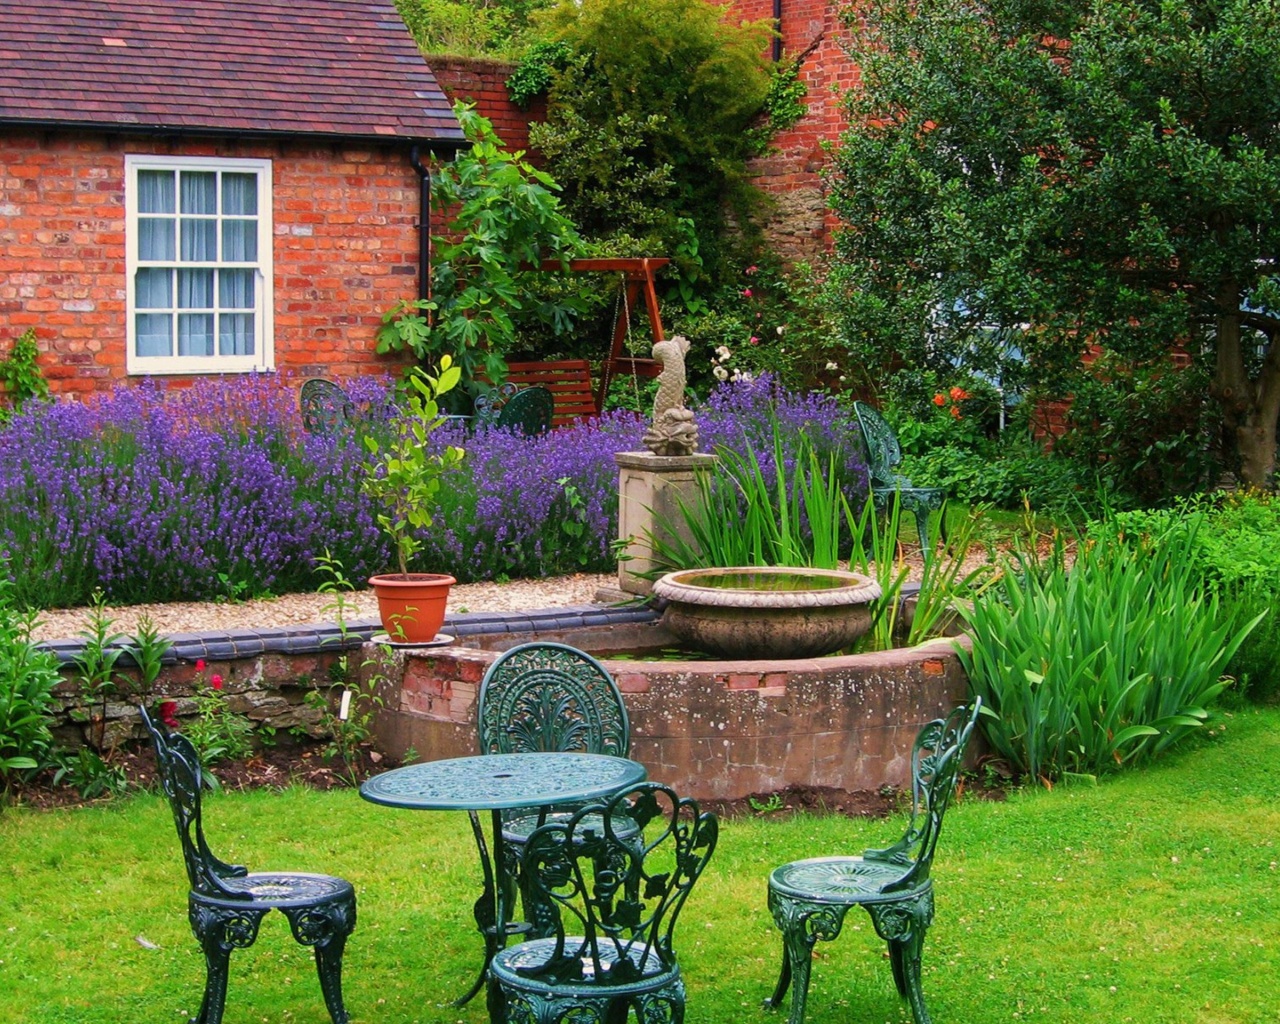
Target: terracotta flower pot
x=412, y=605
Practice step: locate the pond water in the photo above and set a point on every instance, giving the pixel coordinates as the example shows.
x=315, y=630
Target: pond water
x=775, y=582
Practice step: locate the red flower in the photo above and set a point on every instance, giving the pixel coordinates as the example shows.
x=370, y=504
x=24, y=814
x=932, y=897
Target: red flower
x=752, y=269
x=955, y=414
x=169, y=713
x=939, y=399
x=200, y=664
x=958, y=394
x=755, y=340
x=215, y=681
x=746, y=293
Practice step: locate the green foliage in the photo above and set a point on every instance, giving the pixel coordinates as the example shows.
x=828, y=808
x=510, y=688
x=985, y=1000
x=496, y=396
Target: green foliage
x=532, y=76
x=1234, y=552
x=20, y=374
x=769, y=319
x=647, y=121
x=1103, y=663
x=784, y=104
x=348, y=720
x=1105, y=172
x=96, y=666
x=1141, y=429
x=27, y=678
x=402, y=475
x=89, y=774
x=739, y=518
x=505, y=216
x=217, y=732
x=469, y=28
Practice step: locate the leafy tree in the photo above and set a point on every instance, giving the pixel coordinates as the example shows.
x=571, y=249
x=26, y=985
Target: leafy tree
x=647, y=118
x=505, y=218
x=1107, y=172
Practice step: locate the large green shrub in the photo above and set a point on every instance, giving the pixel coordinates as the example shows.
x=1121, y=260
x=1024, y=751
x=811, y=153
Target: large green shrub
x=1237, y=553
x=1106, y=662
x=647, y=118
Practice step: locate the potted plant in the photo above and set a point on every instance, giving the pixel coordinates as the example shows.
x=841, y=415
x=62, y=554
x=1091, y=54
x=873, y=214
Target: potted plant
x=403, y=477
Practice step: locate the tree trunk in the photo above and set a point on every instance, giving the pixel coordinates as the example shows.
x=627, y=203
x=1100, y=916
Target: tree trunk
x=1250, y=410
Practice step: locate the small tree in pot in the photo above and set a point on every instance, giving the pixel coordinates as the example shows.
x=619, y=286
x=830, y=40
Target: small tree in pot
x=403, y=477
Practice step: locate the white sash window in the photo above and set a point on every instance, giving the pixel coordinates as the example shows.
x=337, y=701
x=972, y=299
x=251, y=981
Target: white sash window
x=199, y=264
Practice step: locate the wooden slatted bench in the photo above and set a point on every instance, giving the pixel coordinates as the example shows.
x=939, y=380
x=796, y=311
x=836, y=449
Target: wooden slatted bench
x=568, y=380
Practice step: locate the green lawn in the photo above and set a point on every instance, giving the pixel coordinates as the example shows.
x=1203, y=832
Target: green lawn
x=1152, y=898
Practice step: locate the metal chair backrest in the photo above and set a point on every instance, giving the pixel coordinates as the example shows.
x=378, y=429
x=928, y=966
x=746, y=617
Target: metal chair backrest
x=936, y=758
x=546, y=697
x=883, y=450
x=181, y=779
x=614, y=902
x=529, y=410
x=325, y=406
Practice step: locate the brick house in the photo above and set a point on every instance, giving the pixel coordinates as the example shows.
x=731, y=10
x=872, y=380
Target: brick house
x=215, y=188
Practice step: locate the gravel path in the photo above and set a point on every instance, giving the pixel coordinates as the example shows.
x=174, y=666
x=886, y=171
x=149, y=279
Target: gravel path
x=189, y=617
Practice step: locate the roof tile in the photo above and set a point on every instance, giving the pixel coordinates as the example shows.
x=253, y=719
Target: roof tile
x=335, y=67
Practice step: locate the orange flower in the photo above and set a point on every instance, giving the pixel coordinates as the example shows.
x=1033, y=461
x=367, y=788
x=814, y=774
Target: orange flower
x=958, y=394
x=939, y=399
x=955, y=412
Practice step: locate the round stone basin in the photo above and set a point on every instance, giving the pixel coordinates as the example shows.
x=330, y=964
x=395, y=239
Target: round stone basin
x=767, y=611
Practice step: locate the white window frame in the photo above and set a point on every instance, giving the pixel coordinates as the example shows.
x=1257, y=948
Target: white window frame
x=263, y=357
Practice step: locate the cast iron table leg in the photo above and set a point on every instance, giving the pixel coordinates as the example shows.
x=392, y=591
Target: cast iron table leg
x=493, y=916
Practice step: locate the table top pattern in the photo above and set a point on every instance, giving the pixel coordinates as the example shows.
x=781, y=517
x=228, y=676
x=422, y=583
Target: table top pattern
x=499, y=781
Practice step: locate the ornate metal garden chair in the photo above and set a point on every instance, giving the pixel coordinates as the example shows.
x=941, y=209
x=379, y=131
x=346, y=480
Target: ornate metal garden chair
x=227, y=903
x=809, y=898
x=883, y=454
x=544, y=697
x=613, y=905
x=528, y=411
x=325, y=406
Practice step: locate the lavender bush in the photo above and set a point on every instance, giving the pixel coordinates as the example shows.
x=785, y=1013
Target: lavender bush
x=216, y=491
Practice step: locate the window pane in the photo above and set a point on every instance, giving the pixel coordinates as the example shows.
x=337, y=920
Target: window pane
x=235, y=336
x=240, y=195
x=240, y=241
x=199, y=192
x=155, y=192
x=235, y=289
x=154, y=288
x=155, y=238
x=195, y=289
x=199, y=240
x=195, y=334
x=154, y=334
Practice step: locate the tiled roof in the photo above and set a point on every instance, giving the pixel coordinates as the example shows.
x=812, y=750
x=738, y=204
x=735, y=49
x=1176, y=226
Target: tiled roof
x=300, y=67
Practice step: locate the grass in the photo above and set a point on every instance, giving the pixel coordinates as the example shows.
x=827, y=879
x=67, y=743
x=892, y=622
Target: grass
x=1153, y=898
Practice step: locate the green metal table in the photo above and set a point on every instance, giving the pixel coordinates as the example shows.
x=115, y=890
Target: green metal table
x=494, y=783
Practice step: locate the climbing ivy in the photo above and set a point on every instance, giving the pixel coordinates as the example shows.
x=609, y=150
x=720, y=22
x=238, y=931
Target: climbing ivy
x=784, y=105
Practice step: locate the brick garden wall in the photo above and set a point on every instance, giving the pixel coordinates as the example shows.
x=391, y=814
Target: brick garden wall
x=799, y=225
x=482, y=82
x=346, y=249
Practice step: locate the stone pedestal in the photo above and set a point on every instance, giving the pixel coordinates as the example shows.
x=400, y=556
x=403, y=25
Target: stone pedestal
x=649, y=484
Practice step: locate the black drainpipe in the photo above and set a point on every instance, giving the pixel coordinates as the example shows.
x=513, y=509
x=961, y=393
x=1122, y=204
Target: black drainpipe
x=424, y=222
x=777, y=24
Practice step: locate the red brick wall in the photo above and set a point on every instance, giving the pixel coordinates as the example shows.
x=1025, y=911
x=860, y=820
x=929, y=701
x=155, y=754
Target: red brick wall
x=799, y=225
x=482, y=82
x=346, y=249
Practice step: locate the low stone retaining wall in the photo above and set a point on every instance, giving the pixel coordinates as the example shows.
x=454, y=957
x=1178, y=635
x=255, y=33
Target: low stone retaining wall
x=710, y=729
x=266, y=673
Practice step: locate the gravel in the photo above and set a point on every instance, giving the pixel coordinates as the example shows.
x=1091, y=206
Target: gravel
x=292, y=609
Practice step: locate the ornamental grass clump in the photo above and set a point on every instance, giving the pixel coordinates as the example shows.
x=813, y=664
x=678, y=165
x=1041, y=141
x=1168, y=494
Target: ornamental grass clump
x=1103, y=663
